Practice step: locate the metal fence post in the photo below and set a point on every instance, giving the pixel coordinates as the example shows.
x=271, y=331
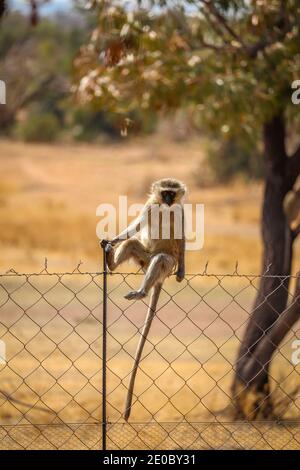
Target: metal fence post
x=104, y=346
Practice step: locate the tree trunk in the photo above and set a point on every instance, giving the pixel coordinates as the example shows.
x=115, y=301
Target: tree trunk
x=251, y=389
x=260, y=361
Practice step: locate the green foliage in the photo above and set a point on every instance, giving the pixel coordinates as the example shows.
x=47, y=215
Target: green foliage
x=13, y=28
x=45, y=54
x=36, y=64
x=38, y=128
x=235, y=156
x=86, y=124
x=222, y=58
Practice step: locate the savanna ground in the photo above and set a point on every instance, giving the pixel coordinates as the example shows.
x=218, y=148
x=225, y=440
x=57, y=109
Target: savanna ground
x=48, y=200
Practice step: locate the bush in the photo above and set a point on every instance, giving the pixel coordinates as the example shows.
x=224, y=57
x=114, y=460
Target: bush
x=233, y=157
x=87, y=124
x=42, y=127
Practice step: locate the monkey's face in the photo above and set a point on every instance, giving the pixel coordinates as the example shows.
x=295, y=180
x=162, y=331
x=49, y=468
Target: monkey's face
x=168, y=191
x=168, y=196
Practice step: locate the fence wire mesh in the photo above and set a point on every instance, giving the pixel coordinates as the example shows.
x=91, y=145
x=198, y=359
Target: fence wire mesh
x=51, y=378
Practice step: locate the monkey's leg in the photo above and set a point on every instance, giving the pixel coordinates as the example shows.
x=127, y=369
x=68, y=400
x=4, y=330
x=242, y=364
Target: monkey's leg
x=159, y=268
x=129, y=249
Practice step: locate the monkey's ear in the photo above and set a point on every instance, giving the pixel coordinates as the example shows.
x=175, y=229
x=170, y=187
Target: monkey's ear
x=153, y=187
x=183, y=190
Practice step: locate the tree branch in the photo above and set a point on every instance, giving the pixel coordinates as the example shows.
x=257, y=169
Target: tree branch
x=283, y=27
x=260, y=46
x=221, y=20
x=252, y=50
x=211, y=46
x=215, y=27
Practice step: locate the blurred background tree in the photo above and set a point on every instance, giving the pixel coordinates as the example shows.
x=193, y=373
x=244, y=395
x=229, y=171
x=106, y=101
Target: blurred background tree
x=40, y=106
x=231, y=63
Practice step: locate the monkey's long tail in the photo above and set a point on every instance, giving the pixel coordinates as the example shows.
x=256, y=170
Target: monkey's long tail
x=147, y=325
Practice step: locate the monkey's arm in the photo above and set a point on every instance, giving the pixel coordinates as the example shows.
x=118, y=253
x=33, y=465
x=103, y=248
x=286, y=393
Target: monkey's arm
x=181, y=257
x=132, y=228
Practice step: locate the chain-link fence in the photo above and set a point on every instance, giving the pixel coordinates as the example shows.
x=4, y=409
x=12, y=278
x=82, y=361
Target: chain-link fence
x=52, y=380
x=50, y=377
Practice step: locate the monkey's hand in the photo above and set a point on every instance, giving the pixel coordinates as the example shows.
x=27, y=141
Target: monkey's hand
x=104, y=243
x=108, y=244
x=180, y=274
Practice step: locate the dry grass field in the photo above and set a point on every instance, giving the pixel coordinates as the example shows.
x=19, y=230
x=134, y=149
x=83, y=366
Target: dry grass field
x=49, y=195
x=51, y=325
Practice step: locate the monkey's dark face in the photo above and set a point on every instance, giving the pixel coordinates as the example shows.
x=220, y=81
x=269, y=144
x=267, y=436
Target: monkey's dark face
x=167, y=191
x=168, y=196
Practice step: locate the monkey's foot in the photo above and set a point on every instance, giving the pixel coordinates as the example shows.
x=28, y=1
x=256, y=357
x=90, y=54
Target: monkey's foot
x=135, y=294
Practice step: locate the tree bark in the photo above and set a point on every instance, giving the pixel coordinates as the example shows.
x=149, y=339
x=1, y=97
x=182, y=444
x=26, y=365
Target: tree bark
x=251, y=389
x=258, y=365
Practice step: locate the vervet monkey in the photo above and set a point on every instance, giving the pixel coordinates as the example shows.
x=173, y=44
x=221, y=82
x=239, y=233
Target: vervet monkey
x=157, y=255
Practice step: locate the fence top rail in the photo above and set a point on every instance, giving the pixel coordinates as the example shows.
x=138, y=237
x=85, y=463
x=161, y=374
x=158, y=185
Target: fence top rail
x=45, y=272
x=13, y=273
